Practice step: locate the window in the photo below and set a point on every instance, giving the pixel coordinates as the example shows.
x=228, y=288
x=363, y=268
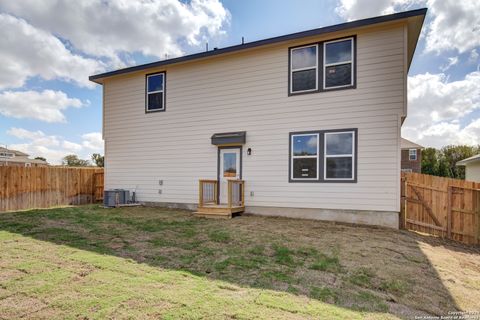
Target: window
x=412, y=154
x=323, y=156
x=155, y=92
x=304, y=69
x=338, y=63
x=6, y=155
x=229, y=164
x=322, y=66
x=304, y=163
x=339, y=156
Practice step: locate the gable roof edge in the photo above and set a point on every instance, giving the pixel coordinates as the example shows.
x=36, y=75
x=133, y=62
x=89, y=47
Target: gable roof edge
x=298, y=35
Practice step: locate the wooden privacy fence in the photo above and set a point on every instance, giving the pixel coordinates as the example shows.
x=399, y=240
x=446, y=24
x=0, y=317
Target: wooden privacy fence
x=44, y=187
x=444, y=207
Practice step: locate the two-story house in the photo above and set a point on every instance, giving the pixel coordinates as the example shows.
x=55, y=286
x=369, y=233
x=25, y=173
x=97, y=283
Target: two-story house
x=19, y=159
x=411, y=156
x=302, y=125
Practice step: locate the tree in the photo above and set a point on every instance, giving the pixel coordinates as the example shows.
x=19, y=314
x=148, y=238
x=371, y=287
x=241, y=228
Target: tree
x=443, y=162
x=429, y=161
x=72, y=160
x=41, y=158
x=443, y=169
x=98, y=159
x=453, y=154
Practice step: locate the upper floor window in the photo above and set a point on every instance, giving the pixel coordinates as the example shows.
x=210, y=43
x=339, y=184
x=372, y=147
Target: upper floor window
x=155, y=92
x=322, y=66
x=412, y=154
x=304, y=69
x=6, y=155
x=338, y=63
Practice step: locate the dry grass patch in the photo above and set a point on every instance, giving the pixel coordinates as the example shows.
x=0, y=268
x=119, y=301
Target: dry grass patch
x=88, y=262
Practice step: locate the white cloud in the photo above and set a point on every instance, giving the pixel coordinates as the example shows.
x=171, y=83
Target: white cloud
x=37, y=136
x=93, y=141
x=359, y=9
x=47, y=105
x=26, y=51
x=454, y=24
x=473, y=56
x=451, y=62
x=437, y=108
x=54, y=148
x=106, y=28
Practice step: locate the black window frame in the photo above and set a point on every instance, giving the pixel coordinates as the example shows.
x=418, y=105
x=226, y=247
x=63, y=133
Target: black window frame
x=321, y=164
x=321, y=66
x=164, y=91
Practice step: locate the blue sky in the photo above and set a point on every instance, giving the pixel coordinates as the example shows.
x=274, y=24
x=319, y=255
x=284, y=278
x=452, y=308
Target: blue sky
x=48, y=108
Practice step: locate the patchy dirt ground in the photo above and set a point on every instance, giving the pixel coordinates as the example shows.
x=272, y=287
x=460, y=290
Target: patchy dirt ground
x=151, y=262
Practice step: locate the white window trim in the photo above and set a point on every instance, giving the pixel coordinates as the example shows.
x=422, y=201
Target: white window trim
x=156, y=91
x=325, y=65
x=325, y=156
x=304, y=157
x=302, y=69
x=414, y=154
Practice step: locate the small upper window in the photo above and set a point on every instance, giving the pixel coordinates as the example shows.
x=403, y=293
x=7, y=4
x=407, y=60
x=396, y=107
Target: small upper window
x=338, y=64
x=412, y=154
x=339, y=155
x=304, y=156
x=304, y=69
x=6, y=155
x=155, y=100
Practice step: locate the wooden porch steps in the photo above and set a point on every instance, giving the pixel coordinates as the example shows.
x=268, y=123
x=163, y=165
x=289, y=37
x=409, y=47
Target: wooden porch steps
x=218, y=210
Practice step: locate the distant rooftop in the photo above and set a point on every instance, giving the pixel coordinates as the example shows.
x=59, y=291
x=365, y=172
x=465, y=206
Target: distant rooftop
x=15, y=152
x=5, y=155
x=407, y=144
x=468, y=160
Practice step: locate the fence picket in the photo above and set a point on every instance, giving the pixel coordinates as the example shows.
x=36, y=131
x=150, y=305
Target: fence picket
x=441, y=206
x=43, y=187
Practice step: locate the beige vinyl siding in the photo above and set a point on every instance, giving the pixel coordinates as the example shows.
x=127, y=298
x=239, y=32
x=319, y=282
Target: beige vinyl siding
x=247, y=91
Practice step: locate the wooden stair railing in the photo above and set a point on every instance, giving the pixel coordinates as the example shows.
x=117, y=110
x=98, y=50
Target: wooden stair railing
x=208, y=192
x=236, y=193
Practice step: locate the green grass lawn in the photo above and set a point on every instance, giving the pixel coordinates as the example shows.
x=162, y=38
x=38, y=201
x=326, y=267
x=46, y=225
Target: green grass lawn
x=88, y=262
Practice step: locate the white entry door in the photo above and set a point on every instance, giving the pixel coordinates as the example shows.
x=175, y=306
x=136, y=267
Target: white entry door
x=229, y=169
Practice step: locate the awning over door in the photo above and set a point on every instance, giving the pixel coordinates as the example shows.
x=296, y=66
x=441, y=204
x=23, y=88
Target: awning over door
x=229, y=138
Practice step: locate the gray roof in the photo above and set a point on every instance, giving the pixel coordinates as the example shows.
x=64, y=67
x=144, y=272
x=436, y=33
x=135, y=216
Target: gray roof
x=463, y=162
x=415, y=20
x=19, y=157
x=407, y=144
x=16, y=152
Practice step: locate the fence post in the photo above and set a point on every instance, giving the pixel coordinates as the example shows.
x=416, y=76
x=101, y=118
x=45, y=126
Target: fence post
x=403, y=223
x=200, y=193
x=449, y=212
x=477, y=215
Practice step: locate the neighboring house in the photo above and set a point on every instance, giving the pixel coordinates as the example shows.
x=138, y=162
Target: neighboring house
x=472, y=168
x=411, y=156
x=310, y=121
x=19, y=159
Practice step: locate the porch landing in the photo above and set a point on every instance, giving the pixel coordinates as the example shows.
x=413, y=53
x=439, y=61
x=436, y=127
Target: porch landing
x=218, y=210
